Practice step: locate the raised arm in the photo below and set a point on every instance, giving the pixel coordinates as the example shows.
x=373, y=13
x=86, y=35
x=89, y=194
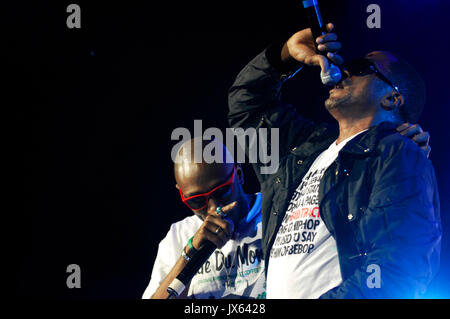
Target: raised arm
x=254, y=98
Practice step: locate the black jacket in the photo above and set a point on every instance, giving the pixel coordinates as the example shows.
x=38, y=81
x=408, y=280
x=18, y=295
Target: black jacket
x=379, y=199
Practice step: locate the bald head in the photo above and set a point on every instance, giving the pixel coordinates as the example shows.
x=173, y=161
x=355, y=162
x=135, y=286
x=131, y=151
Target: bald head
x=195, y=176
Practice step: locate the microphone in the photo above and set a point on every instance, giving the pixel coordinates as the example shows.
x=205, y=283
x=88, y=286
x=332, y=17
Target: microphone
x=197, y=260
x=311, y=7
x=192, y=266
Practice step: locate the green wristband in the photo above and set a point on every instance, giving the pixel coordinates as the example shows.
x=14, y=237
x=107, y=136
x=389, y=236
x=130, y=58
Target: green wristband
x=190, y=244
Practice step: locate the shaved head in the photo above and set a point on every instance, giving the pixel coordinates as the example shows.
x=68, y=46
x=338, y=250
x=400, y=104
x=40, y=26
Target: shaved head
x=199, y=177
x=213, y=182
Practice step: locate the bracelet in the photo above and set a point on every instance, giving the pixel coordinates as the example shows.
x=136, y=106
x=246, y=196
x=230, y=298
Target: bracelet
x=191, y=246
x=185, y=256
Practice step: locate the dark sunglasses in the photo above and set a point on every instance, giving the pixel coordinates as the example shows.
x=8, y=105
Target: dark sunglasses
x=200, y=201
x=363, y=66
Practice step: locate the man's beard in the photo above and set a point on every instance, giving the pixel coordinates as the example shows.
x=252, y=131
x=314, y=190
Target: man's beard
x=337, y=103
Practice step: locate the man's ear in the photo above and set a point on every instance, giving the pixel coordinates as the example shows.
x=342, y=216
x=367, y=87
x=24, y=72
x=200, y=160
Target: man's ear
x=392, y=100
x=176, y=186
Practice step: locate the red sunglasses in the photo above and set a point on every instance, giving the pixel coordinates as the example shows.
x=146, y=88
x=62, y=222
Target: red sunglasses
x=200, y=201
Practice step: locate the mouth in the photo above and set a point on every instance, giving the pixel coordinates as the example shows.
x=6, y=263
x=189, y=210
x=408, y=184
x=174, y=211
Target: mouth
x=338, y=86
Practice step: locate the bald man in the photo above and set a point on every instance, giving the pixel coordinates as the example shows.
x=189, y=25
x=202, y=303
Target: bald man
x=223, y=214
x=353, y=210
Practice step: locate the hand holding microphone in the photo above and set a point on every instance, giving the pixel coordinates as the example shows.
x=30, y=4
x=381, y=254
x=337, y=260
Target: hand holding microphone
x=332, y=74
x=302, y=47
x=215, y=228
x=213, y=233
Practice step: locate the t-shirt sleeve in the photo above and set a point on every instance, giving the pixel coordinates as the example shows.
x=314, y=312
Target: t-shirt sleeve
x=169, y=250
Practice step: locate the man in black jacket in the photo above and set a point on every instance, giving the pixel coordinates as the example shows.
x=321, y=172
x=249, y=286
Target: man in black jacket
x=353, y=211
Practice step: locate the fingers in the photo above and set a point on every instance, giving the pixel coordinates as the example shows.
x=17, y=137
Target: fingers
x=328, y=43
x=329, y=46
x=328, y=37
x=300, y=47
x=203, y=235
x=427, y=150
x=409, y=130
x=417, y=135
x=335, y=58
x=213, y=222
x=319, y=60
x=403, y=126
x=421, y=138
x=215, y=229
x=330, y=26
x=225, y=209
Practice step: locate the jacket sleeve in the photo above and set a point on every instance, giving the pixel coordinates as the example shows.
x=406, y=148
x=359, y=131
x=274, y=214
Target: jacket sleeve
x=254, y=103
x=401, y=228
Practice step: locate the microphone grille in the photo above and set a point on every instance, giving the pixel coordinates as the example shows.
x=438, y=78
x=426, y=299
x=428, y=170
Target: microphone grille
x=331, y=77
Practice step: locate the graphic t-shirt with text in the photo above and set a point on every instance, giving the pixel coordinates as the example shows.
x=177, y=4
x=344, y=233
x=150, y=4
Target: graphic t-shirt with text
x=303, y=260
x=234, y=271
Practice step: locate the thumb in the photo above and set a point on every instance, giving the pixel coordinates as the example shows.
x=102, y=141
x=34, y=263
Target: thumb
x=322, y=62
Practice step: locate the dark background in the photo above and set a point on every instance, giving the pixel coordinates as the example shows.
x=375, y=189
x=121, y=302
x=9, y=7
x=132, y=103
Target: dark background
x=95, y=108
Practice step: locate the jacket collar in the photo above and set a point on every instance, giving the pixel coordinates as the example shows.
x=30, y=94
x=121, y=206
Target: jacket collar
x=319, y=140
x=363, y=144
x=367, y=142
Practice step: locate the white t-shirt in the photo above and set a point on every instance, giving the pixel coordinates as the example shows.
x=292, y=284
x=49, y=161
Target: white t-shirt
x=303, y=259
x=238, y=262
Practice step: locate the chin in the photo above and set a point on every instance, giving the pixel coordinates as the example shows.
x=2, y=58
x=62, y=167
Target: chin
x=329, y=104
x=333, y=103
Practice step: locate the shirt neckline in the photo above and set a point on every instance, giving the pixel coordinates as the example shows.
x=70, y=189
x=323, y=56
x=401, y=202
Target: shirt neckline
x=342, y=144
